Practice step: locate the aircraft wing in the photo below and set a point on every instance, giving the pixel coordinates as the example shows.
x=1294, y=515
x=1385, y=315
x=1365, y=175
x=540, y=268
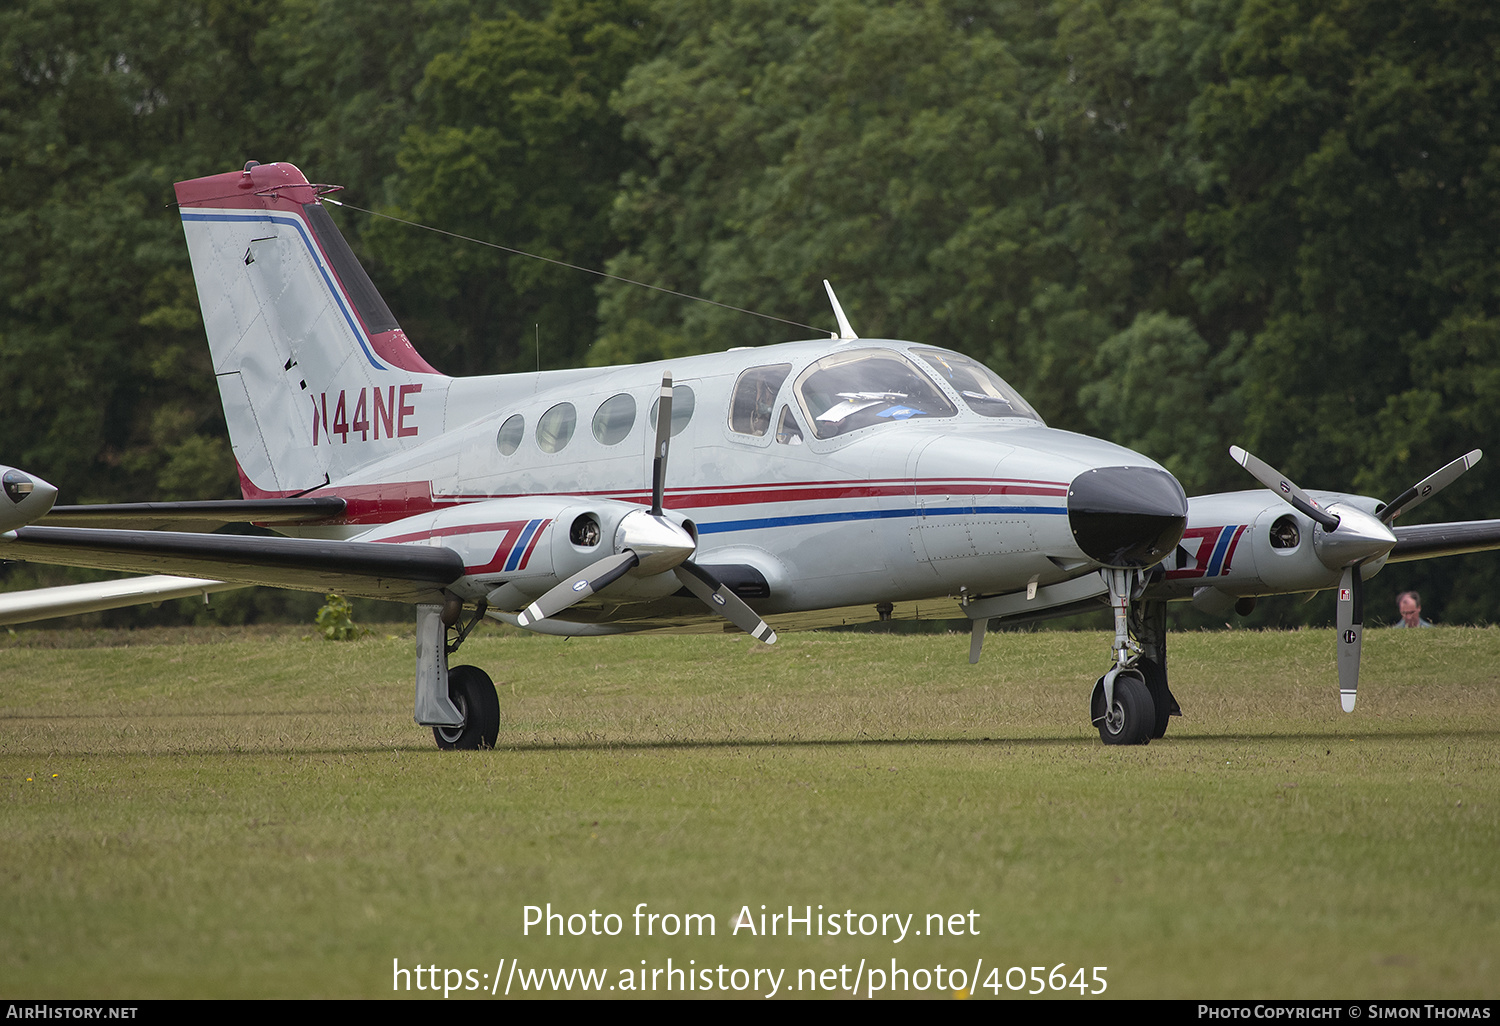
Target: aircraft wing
x=400, y=573
x=1425, y=541
x=72, y=599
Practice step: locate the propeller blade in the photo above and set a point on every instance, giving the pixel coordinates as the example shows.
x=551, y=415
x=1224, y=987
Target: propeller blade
x=1428, y=487
x=593, y=578
x=1351, y=627
x=721, y=600
x=976, y=639
x=663, y=439
x=1283, y=486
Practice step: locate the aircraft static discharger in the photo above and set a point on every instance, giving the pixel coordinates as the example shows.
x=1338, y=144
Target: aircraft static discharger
x=811, y=483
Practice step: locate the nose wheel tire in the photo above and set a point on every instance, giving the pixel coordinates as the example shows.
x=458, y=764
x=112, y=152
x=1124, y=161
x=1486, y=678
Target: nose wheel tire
x=473, y=694
x=1131, y=719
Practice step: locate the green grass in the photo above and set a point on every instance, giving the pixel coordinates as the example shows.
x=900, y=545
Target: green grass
x=258, y=816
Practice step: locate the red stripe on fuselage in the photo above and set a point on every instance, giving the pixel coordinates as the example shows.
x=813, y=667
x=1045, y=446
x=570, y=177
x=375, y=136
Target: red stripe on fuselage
x=385, y=503
x=511, y=529
x=526, y=556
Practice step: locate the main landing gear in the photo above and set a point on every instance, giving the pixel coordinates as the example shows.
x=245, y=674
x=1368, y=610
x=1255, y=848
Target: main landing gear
x=460, y=705
x=1131, y=704
x=473, y=693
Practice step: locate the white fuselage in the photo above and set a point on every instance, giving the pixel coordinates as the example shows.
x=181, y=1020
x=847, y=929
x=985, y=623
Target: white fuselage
x=897, y=511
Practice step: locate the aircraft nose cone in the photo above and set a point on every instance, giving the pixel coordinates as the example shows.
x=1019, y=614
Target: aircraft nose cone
x=1126, y=517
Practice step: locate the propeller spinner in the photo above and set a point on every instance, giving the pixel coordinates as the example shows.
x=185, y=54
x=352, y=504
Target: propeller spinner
x=649, y=543
x=1349, y=539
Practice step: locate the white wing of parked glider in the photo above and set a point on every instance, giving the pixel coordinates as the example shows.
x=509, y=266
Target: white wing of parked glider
x=72, y=599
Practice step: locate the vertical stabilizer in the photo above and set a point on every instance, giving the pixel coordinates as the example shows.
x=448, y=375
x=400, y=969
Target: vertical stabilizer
x=316, y=375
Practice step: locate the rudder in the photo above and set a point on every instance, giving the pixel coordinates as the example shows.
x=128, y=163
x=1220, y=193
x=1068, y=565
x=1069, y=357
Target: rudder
x=316, y=376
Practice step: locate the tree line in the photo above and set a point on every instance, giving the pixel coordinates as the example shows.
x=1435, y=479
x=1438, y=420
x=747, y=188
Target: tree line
x=1179, y=224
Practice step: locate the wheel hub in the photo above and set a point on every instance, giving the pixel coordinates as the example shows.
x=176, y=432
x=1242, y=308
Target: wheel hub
x=1114, y=719
x=452, y=734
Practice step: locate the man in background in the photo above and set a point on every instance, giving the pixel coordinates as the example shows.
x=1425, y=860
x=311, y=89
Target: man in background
x=1409, y=604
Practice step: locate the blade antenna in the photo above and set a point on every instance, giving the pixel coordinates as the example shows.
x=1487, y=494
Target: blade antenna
x=845, y=331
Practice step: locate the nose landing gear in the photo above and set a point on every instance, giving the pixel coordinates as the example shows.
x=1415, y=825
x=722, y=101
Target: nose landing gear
x=1121, y=705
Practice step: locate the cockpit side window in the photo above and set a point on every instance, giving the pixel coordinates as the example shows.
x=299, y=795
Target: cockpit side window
x=755, y=397
x=852, y=390
x=985, y=391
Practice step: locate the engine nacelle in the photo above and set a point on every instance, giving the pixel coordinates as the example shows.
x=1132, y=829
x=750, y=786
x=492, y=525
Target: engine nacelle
x=515, y=550
x=1249, y=543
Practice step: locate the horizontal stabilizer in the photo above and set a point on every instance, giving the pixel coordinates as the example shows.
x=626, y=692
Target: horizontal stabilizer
x=196, y=516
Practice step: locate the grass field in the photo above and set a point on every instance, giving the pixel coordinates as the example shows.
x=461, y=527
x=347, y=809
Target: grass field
x=221, y=813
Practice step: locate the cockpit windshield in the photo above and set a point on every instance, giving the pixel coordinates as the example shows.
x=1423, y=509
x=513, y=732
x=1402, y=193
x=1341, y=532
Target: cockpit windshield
x=984, y=390
x=856, y=389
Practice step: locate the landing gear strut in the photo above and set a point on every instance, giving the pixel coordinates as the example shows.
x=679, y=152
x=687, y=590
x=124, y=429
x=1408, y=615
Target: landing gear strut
x=460, y=705
x=1123, y=705
x=1148, y=624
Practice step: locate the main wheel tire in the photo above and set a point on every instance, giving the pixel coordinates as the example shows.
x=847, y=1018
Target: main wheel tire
x=1132, y=718
x=473, y=693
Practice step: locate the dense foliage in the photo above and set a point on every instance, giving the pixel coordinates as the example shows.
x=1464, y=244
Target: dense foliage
x=1176, y=223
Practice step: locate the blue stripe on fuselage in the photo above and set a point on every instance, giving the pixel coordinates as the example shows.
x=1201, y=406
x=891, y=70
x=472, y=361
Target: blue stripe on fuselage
x=1220, y=547
x=519, y=548
x=873, y=514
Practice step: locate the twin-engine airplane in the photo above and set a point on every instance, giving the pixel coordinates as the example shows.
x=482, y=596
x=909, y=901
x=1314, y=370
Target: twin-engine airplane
x=812, y=483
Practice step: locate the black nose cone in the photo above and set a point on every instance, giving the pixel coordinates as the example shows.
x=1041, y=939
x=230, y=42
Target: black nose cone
x=1126, y=517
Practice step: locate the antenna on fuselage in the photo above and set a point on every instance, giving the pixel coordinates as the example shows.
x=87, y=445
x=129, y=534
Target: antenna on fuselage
x=845, y=331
